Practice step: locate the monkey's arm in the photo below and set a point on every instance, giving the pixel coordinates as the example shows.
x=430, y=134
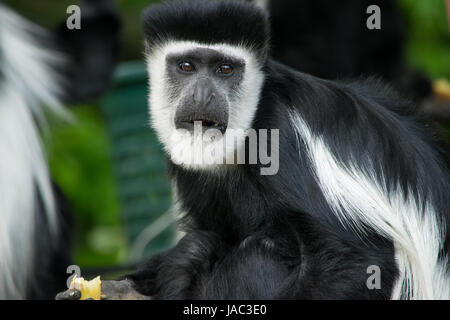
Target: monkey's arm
x=169, y=275
x=173, y=274
x=110, y=290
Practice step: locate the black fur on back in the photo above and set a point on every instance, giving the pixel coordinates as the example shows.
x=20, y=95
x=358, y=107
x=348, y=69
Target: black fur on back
x=208, y=22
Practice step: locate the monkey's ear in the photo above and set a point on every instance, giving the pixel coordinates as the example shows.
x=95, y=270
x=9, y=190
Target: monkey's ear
x=92, y=51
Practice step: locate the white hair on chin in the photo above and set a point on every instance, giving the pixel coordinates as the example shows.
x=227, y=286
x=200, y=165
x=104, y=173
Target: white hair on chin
x=27, y=85
x=361, y=202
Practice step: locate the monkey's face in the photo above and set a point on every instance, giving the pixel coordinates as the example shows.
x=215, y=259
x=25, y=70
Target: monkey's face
x=203, y=82
x=202, y=99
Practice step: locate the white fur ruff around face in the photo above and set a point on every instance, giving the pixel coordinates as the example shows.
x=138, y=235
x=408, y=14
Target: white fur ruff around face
x=183, y=147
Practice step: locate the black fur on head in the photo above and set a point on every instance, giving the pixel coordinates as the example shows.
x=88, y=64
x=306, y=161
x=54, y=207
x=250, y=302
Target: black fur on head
x=208, y=22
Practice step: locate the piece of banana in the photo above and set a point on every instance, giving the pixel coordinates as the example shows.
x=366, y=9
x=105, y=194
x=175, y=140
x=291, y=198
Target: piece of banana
x=89, y=289
x=441, y=88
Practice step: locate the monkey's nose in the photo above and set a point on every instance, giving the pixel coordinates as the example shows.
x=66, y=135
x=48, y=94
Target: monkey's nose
x=203, y=93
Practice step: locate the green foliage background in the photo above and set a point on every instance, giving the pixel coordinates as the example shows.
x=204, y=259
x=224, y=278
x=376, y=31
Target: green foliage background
x=83, y=146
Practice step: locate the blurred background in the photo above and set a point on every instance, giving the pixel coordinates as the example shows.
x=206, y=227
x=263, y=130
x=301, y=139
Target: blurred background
x=109, y=163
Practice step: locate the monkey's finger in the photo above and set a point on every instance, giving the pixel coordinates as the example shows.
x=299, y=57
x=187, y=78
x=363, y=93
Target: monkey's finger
x=70, y=294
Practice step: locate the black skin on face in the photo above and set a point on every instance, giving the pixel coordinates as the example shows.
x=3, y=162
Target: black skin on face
x=205, y=80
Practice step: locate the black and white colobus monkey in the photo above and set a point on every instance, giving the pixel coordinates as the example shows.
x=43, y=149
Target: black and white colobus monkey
x=38, y=71
x=360, y=183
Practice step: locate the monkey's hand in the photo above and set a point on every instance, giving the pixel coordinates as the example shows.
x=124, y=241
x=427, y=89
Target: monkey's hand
x=110, y=290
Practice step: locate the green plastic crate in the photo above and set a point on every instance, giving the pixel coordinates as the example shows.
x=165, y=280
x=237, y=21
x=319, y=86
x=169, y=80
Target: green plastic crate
x=139, y=163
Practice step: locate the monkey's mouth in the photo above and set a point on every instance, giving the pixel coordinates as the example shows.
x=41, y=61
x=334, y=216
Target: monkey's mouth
x=205, y=123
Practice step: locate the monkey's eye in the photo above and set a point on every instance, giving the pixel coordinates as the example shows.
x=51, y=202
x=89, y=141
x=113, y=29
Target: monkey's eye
x=186, y=67
x=225, y=69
